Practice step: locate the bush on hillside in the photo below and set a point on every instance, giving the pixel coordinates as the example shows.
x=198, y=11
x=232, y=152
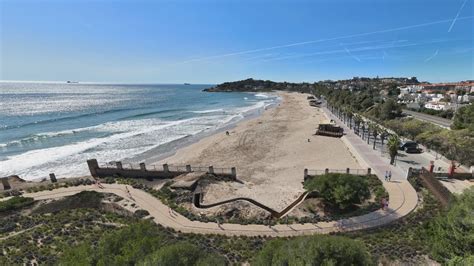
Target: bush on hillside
x=340, y=190
x=313, y=250
x=15, y=203
x=451, y=234
x=182, y=254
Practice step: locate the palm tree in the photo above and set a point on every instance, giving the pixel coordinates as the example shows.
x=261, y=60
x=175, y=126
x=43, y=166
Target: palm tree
x=357, y=121
x=393, y=144
x=383, y=135
x=350, y=114
x=375, y=132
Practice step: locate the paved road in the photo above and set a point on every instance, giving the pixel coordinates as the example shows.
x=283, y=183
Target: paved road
x=439, y=121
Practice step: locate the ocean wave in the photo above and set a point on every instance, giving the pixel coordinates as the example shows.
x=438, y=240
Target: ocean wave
x=152, y=113
x=209, y=111
x=262, y=95
x=66, y=118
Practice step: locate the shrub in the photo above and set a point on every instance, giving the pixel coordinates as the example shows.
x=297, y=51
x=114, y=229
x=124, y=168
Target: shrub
x=313, y=250
x=451, y=234
x=341, y=190
x=141, y=213
x=15, y=203
x=182, y=254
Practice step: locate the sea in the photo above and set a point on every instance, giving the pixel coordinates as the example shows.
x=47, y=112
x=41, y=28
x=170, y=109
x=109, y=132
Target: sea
x=55, y=127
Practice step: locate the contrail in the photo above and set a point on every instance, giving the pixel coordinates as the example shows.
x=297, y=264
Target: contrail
x=324, y=40
x=457, y=15
x=432, y=56
x=351, y=55
x=360, y=49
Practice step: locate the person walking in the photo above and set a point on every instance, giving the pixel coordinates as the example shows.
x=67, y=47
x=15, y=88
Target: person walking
x=386, y=175
x=389, y=176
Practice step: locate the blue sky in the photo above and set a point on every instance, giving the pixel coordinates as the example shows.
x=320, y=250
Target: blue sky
x=216, y=41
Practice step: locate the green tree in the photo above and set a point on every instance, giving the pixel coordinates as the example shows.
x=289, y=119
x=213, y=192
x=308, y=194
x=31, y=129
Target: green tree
x=393, y=144
x=182, y=254
x=340, y=190
x=451, y=234
x=313, y=250
x=464, y=118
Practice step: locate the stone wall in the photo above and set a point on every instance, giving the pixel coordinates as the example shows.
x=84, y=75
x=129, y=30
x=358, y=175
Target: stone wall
x=163, y=172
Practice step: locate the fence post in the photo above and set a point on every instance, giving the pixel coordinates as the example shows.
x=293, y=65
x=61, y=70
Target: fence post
x=326, y=171
x=369, y=171
x=234, y=172
x=305, y=174
x=142, y=167
x=409, y=173
x=53, y=178
x=166, y=169
x=211, y=169
x=348, y=170
x=119, y=165
x=188, y=168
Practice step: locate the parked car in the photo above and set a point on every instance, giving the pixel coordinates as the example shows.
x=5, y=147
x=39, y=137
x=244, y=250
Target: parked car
x=408, y=145
x=411, y=149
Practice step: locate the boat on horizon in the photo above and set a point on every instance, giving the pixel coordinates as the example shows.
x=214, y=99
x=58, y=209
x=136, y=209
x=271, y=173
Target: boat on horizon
x=72, y=81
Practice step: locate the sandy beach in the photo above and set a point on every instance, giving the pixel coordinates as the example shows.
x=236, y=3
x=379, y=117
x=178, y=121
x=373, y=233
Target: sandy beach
x=270, y=153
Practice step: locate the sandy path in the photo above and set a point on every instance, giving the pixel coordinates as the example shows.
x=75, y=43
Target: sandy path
x=270, y=153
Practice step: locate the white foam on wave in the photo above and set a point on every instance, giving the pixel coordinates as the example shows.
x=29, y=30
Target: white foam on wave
x=262, y=95
x=209, y=111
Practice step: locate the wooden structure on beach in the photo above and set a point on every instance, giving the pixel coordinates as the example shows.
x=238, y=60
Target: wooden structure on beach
x=330, y=130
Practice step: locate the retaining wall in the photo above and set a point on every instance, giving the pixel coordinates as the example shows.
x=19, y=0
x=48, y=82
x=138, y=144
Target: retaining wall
x=163, y=172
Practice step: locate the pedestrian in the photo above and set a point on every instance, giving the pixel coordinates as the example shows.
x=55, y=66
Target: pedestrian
x=386, y=205
x=386, y=175
x=309, y=140
x=389, y=176
x=382, y=203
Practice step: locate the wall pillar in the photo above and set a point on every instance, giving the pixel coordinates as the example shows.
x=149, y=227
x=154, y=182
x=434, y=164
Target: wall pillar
x=119, y=165
x=234, y=172
x=188, y=168
x=211, y=169
x=166, y=169
x=52, y=177
x=93, y=166
x=6, y=184
x=142, y=166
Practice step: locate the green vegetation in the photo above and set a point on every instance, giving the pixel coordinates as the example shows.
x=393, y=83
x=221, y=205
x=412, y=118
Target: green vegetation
x=464, y=118
x=447, y=236
x=451, y=234
x=341, y=190
x=454, y=144
x=15, y=203
x=314, y=250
